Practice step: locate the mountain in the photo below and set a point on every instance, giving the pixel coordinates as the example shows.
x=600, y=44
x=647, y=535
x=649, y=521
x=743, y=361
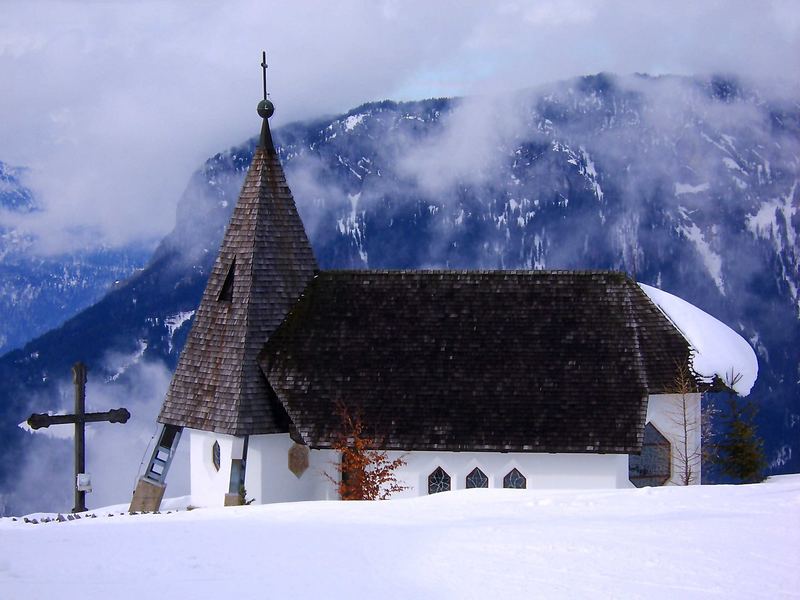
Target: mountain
x=690, y=184
x=38, y=293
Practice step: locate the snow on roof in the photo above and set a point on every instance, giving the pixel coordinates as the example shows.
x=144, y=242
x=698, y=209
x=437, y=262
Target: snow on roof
x=718, y=349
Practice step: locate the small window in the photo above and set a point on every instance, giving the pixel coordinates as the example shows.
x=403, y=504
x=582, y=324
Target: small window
x=477, y=479
x=226, y=293
x=237, y=476
x=215, y=455
x=515, y=480
x=652, y=467
x=438, y=481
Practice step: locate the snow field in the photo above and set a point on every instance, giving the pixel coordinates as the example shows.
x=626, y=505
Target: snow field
x=697, y=542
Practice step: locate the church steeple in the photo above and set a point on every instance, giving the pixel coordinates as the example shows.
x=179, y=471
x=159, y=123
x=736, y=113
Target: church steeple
x=263, y=265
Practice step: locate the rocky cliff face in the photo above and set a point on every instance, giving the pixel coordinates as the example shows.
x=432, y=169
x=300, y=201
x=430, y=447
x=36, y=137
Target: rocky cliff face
x=689, y=184
x=38, y=293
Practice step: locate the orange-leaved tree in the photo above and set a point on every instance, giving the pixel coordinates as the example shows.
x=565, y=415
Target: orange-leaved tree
x=365, y=473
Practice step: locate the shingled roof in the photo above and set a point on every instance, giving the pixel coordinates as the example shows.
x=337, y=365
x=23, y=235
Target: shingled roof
x=546, y=361
x=264, y=263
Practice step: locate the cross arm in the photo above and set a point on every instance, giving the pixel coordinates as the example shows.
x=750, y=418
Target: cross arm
x=117, y=415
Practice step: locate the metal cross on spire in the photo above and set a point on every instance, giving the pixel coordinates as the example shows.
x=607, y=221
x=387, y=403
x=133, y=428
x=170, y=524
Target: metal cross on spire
x=264, y=71
x=265, y=109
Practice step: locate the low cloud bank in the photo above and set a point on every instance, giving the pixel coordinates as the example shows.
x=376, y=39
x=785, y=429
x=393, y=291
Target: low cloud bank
x=114, y=452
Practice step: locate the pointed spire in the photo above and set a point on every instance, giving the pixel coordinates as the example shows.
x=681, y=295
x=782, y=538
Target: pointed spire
x=218, y=385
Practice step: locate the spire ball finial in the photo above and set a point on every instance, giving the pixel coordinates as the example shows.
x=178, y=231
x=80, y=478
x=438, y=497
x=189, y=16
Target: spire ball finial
x=265, y=109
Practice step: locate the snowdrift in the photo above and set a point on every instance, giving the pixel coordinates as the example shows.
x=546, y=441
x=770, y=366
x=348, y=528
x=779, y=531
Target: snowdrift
x=696, y=542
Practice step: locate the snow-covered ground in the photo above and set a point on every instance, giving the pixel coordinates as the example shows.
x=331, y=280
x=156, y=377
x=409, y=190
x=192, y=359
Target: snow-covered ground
x=699, y=542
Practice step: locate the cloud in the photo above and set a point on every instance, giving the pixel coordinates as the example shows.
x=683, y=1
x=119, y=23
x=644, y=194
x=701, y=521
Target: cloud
x=313, y=191
x=114, y=104
x=474, y=140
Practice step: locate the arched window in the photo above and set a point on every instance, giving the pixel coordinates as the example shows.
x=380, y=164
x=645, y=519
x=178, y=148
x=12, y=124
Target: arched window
x=477, y=479
x=652, y=466
x=515, y=479
x=438, y=481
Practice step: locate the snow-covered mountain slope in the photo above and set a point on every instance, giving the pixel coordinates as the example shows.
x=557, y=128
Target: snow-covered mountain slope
x=696, y=542
x=690, y=184
x=38, y=293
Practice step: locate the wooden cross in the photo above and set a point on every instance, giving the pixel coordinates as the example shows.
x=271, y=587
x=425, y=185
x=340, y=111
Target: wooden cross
x=80, y=418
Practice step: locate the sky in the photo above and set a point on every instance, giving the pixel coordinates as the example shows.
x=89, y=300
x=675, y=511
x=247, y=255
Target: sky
x=111, y=105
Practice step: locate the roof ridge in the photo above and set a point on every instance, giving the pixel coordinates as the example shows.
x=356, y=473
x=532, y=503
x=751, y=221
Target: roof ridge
x=475, y=272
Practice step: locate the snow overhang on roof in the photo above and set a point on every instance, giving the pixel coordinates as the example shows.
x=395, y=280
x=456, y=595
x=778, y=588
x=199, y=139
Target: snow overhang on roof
x=718, y=350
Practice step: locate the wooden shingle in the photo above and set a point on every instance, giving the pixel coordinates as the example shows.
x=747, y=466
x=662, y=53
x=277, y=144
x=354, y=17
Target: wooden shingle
x=264, y=263
x=543, y=361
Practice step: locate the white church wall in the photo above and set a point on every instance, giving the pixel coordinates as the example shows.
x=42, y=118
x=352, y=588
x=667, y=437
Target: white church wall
x=665, y=413
x=209, y=486
x=268, y=478
x=542, y=471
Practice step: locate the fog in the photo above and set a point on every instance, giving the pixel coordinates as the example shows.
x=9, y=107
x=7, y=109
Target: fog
x=116, y=454
x=112, y=105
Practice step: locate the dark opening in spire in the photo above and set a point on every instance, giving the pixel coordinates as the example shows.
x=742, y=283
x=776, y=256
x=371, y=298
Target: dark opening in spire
x=226, y=293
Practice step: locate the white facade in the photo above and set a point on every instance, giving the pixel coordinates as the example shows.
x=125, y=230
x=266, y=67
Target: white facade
x=208, y=485
x=268, y=477
x=541, y=471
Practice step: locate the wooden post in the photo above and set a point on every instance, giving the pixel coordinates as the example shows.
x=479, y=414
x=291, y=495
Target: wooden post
x=79, y=379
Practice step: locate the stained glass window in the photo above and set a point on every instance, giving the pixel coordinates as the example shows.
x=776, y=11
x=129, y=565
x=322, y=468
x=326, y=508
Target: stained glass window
x=515, y=480
x=438, y=481
x=652, y=466
x=477, y=479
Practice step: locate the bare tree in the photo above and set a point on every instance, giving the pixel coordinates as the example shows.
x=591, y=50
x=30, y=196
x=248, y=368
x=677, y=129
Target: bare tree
x=688, y=455
x=708, y=436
